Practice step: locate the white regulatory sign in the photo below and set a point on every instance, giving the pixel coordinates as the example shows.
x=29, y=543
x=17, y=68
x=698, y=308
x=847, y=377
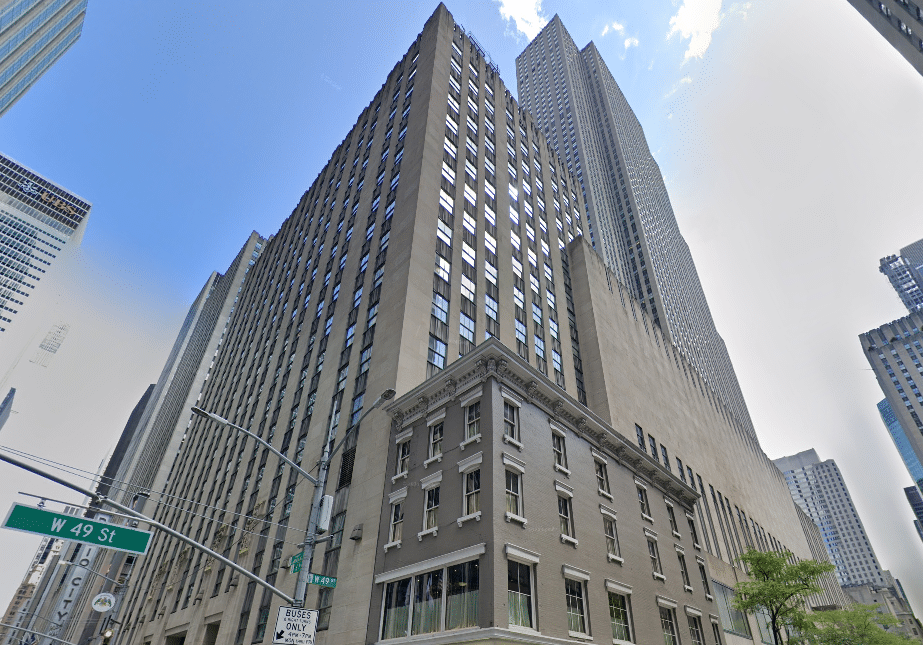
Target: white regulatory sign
x=295, y=626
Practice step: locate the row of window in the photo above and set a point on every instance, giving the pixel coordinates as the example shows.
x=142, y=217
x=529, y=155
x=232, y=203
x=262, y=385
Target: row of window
x=447, y=598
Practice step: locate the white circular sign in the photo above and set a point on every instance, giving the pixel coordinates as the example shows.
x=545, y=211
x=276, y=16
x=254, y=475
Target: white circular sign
x=103, y=602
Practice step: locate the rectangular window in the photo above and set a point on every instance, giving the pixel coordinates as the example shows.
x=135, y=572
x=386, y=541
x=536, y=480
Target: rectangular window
x=695, y=630
x=403, y=458
x=653, y=443
x=576, y=612
x=397, y=522
x=396, y=618
x=655, y=556
x=427, y=603
x=564, y=517
x=462, y=595
x=693, y=532
x=671, y=516
x=612, y=537
x=666, y=458
x=513, y=493
x=440, y=309
x=642, y=501
x=704, y=576
x=602, y=477
x=619, y=609
x=431, y=510
x=437, y=352
x=640, y=434
x=560, y=451
x=668, y=622
x=519, y=593
x=510, y=420
x=716, y=633
x=683, y=571
x=473, y=420
x=472, y=492
x=435, y=440
x=466, y=328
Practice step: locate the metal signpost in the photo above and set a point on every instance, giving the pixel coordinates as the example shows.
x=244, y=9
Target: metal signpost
x=77, y=529
x=295, y=626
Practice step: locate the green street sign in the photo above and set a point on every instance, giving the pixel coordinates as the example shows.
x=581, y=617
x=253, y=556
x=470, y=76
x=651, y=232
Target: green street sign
x=322, y=581
x=296, y=562
x=77, y=529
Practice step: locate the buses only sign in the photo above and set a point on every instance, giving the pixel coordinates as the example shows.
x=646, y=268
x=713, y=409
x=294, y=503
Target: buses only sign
x=78, y=529
x=295, y=626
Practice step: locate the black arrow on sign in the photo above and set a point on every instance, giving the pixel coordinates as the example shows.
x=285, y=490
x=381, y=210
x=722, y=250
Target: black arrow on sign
x=280, y=634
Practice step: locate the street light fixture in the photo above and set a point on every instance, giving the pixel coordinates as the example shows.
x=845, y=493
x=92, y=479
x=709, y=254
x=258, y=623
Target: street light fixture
x=319, y=482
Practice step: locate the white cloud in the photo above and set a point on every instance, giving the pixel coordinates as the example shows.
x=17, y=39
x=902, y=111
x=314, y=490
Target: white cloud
x=740, y=8
x=630, y=42
x=527, y=14
x=696, y=20
x=683, y=81
x=615, y=26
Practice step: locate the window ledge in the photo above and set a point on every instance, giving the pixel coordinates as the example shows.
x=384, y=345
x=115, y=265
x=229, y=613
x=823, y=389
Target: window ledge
x=677, y=535
x=709, y=597
x=644, y=516
x=513, y=442
x=562, y=469
x=697, y=547
x=512, y=517
x=660, y=576
x=605, y=494
x=687, y=588
x=523, y=630
x=391, y=545
x=615, y=558
x=433, y=531
x=579, y=636
x=465, y=518
x=402, y=475
x=437, y=458
x=475, y=439
x=566, y=539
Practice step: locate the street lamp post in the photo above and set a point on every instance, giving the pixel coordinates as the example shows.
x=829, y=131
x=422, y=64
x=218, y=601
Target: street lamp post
x=319, y=482
x=301, y=587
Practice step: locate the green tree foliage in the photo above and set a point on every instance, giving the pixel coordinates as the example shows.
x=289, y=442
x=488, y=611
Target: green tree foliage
x=779, y=588
x=858, y=625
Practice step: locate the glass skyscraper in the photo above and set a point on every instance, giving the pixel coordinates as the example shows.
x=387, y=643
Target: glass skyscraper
x=39, y=221
x=33, y=36
x=896, y=430
x=580, y=108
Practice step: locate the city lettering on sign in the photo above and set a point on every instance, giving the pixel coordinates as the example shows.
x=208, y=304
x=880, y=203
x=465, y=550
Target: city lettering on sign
x=295, y=626
x=77, y=529
x=322, y=581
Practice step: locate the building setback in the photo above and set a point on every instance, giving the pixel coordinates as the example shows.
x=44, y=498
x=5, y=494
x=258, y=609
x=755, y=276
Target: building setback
x=576, y=102
x=905, y=273
x=900, y=22
x=34, y=34
x=818, y=488
x=894, y=352
x=39, y=223
x=443, y=219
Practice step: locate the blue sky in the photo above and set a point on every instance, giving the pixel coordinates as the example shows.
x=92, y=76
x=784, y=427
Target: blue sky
x=781, y=128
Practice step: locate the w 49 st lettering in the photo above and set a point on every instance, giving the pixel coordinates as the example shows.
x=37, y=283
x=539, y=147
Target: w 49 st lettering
x=78, y=529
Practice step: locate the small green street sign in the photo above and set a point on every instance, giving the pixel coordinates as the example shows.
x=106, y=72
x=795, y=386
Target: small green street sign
x=77, y=529
x=322, y=581
x=296, y=562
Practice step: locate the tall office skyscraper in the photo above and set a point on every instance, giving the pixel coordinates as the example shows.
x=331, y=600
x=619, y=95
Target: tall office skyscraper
x=899, y=22
x=39, y=223
x=905, y=272
x=819, y=489
x=404, y=255
x=578, y=105
x=916, y=503
x=34, y=34
x=901, y=441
